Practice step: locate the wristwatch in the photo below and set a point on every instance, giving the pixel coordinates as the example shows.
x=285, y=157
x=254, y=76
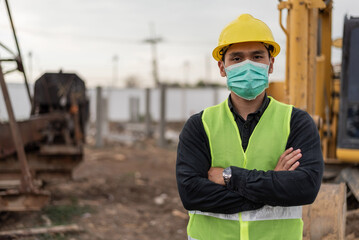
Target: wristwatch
x=227, y=174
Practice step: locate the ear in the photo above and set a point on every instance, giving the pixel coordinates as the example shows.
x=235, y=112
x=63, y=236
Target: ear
x=221, y=68
x=271, y=63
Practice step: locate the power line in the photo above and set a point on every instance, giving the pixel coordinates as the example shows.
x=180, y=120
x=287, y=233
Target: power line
x=154, y=40
x=111, y=39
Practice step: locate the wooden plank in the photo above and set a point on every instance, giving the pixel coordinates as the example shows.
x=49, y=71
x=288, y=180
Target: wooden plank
x=326, y=217
x=60, y=150
x=15, y=183
x=351, y=177
x=36, y=162
x=13, y=200
x=42, y=230
x=6, y=184
x=12, y=183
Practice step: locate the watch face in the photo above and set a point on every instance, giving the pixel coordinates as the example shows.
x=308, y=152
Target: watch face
x=227, y=174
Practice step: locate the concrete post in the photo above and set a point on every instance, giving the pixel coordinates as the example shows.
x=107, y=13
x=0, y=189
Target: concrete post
x=131, y=109
x=148, y=113
x=99, y=117
x=184, y=103
x=105, y=121
x=134, y=109
x=162, y=120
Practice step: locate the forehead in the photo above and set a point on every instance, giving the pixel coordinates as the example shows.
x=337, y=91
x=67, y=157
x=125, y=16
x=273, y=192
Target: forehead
x=246, y=47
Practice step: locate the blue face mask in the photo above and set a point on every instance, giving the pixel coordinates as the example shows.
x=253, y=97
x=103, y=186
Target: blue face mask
x=247, y=79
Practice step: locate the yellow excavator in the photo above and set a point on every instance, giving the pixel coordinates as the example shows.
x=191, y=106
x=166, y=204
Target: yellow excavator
x=331, y=98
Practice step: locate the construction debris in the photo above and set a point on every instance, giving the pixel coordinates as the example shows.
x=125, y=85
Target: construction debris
x=38, y=231
x=321, y=219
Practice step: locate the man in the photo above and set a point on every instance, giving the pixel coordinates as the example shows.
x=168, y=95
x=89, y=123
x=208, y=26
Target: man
x=246, y=166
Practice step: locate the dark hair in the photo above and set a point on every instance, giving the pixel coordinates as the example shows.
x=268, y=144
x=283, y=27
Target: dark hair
x=224, y=50
x=269, y=48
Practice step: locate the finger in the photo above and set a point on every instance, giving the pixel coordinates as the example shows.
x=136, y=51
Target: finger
x=282, y=157
x=294, y=166
x=291, y=155
x=286, y=152
x=291, y=161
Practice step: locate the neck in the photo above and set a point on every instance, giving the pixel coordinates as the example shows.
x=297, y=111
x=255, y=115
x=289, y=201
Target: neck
x=244, y=107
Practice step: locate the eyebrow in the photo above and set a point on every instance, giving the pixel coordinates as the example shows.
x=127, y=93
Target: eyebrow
x=233, y=54
x=259, y=52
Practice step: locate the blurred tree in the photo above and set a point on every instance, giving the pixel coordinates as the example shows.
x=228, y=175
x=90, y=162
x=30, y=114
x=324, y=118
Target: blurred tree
x=201, y=83
x=132, y=82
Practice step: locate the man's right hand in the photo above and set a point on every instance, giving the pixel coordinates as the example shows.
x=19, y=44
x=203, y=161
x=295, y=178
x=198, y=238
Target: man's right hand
x=288, y=161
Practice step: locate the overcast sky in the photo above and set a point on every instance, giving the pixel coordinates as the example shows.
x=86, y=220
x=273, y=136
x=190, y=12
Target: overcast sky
x=83, y=36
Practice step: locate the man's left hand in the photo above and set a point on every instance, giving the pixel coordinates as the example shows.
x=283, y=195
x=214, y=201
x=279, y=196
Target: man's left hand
x=216, y=175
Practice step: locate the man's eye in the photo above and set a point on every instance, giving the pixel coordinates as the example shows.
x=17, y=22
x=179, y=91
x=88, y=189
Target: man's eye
x=236, y=59
x=258, y=57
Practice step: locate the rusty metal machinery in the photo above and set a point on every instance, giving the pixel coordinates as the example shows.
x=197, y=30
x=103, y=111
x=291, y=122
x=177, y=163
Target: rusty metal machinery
x=63, y=92
x=48, y=145
x=54, y=135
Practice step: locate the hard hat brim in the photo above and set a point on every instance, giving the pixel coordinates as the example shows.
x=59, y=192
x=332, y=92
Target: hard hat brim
x=218, y=57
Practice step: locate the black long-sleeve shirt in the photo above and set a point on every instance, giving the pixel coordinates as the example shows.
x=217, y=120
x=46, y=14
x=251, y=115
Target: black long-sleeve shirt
x=248, y=189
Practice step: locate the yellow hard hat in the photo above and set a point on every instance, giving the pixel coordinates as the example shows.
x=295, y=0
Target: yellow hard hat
x=245, y=29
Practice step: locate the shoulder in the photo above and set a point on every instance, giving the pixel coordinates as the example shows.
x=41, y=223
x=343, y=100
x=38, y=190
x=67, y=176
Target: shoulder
x=299, y=115
x=195, y=119
x=193, y=134
x=300, y=119
x=193, y=125
x=279, y=105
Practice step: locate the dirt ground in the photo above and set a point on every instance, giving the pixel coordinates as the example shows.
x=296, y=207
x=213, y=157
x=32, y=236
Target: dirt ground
x=123, y=192
x=130, y=190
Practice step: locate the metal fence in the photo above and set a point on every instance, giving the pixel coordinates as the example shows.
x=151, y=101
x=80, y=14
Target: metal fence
x=129, y=104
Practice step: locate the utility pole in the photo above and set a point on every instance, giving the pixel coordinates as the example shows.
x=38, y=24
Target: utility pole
x=153, y=40
x=30, y=66
x=114, y=70
x=148, y=113
x=99, y=117
x=186, y=70
x=162, y=121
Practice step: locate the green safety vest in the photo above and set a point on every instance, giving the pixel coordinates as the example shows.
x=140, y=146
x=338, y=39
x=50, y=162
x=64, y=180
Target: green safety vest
x=266, y=144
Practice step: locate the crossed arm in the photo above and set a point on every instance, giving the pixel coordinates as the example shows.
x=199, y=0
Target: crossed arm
x=295, y=181
x=288, y=161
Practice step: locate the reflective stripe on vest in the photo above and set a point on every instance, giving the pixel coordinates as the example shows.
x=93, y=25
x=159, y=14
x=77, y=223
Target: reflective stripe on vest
x=272, y=213
x=264, y=213
x=190, y=238
x=233, y=217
